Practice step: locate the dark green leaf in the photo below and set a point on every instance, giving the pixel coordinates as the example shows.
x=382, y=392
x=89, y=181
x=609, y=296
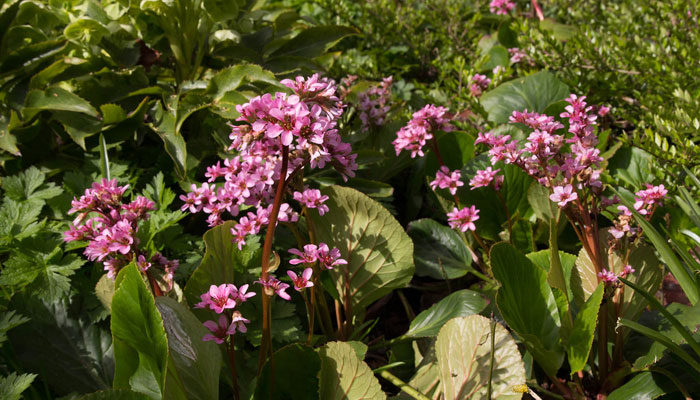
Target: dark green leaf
x=459, y=304
x=438, y=251
x=296, y=369
x=314, y=41
x=30, y=56
x=115, y=394
x=164, y=126
x=78, y=126
x=197, y=362
x=57, y=99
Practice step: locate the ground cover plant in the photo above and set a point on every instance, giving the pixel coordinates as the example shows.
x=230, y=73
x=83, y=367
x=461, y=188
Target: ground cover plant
x=436, y=199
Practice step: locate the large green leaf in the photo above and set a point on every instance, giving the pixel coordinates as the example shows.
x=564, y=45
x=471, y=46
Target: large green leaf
x=296, y=375
x=459, y=304
x=535, y=320
x=197, y=362
x=439, y=252
x=464, y=352
x=71, y=352
x=56, y=99
x=542, y=259
x=314, y=41
x=140, y=342
x=344, y=376
x=534, y=93
x=427, y=376
x=221, y=261
x=378, y=251
x=164, y=125
x=632, y=166
x=581, y=338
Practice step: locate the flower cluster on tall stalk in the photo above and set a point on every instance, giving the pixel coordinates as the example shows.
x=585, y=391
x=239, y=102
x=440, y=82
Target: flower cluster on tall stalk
x=569, y=165
x=374, y=105
x=109, y=226
x=276, y=137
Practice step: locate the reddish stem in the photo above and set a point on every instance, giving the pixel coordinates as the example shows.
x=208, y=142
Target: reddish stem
x=232, y=361
x=266, y=344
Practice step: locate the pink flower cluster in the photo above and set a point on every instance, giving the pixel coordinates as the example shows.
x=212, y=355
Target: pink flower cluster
x=303, y=123
x=463, y=219
x=420, y=129
x=374, y=104
x=444, y=179
x=220, y=299
x=609, y=276
x=110, y=228
x=479, y=84
x=566, y=164
x=312, y=198
x=645, y=202
x=485, y=177
x=312, y=253
x=501, y=7
x=516, y=55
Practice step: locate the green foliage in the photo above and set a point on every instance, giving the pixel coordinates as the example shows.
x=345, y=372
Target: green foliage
x=344, y=375
x=458, y=304
x=296, y=374
x=12, y=386
x=439, y=252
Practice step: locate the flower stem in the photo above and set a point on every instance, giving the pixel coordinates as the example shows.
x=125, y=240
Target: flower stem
x=405, y=387
x=266, y=343
x=232, y=360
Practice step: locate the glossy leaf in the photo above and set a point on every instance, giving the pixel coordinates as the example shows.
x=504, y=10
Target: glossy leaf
x=378, y=251
x=438, y=251
x=231, y=78
x=463, y=351
x=197, y=362
x=537, y=320
x=344, y=376
x=534, y=93
x=644, y=386
x=164, y=126
x=222, y=260
x=296, y=369
x=314, y=41
x=57, y=99
x=581, y=338
x=459, y=304
x=140, y=342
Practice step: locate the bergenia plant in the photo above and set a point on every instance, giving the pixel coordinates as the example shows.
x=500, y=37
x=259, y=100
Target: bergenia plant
x=276, y=137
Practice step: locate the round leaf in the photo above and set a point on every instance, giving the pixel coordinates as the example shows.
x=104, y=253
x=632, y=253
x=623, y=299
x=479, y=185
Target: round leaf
x=463, y=352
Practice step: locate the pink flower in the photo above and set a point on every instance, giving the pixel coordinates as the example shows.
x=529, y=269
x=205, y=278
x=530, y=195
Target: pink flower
x=312, y=198
x=463, y=219
x=479, y=84
x=274, y=286
x=329, y=258
x=218, y=298
x=220, y=331
x=484, y=178
x=516, y=55
x=241, y=295
x=627, y=270
x=237, y=323
x=420, y=128
x=444, y=179
x=501, y=7
x=301, y=282
x=309, y=256
x=563, y=195
x=607, y=276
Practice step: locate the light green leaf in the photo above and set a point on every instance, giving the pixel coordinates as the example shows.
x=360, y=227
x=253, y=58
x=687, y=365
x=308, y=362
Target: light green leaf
x=581, y=338
x=198, y=363
x=463, y=351
x=8, y=142
x=644, y=386
x=86, y=30
x=459, y=304
x=12, y=386
x=344, y=376
x=112, y=114
x=221, y=261
x=296, y=375
x=231, y=78
x=104, y=290
x=439, y=252
x=536, y=320
x=534, y=93
x=378, y=251
x=140, y=342
x=632, y=166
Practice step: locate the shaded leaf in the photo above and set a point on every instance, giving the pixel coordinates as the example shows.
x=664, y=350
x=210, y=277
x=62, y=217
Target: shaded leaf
x=439, y=252
x=644, y=386
x=56, y=99
x=459, y=304
x=115, y=394
x=314, y=41
x=296, y=369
